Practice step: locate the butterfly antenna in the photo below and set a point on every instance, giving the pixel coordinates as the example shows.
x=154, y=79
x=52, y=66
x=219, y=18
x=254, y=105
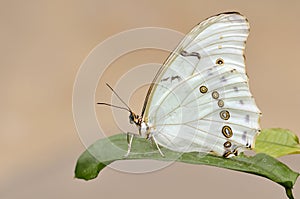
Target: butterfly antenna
x=128, y=109
x=103, y=103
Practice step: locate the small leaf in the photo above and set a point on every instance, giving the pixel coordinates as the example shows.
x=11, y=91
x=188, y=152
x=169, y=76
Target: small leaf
x=277, y=142
x=108, y=150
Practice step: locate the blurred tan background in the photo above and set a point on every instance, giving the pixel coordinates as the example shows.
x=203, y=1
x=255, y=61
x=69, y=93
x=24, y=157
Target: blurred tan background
x=43, y=44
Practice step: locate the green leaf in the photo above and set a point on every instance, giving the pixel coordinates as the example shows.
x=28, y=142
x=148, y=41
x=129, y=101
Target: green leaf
x=277, y=142
x=108, y=150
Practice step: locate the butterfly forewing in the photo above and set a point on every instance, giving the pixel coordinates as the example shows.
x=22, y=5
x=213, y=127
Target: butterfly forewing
x=200, y=100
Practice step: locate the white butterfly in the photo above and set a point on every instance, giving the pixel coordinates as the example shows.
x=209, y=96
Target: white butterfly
x=199, y=99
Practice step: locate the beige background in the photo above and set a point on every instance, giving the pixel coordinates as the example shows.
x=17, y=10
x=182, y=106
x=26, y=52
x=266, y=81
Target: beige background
x=43, y=44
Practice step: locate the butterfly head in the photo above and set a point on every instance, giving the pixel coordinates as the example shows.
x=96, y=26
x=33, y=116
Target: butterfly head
x=133, y=118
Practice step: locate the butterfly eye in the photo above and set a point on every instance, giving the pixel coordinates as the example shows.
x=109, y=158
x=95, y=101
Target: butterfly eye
x=131, y=119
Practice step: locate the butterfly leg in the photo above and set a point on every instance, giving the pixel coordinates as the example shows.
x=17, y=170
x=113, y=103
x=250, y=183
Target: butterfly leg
x=154, y=140
x=129, y=141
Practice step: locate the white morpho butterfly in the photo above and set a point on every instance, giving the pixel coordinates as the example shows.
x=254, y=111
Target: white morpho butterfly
x=199, y=99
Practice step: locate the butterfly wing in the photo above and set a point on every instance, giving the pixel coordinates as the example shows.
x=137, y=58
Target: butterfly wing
x=200, y=100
